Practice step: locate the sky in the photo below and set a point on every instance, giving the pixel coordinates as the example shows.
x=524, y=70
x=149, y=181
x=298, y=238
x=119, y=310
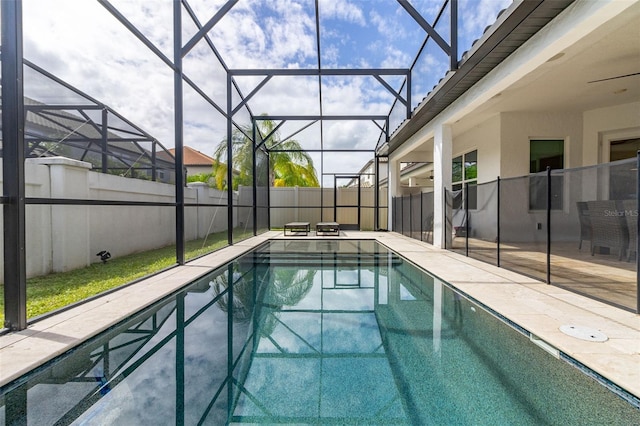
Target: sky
x=80, y=42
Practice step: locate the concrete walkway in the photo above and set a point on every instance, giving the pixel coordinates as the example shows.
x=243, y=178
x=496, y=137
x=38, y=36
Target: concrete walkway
x=537, y=307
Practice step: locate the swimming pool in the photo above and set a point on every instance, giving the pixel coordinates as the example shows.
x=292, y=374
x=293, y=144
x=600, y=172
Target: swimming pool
x=317, y=332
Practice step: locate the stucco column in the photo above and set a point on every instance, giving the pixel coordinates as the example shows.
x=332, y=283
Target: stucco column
x=70, y=231
x=393, y=180
x=200, y=222
x=442, y=148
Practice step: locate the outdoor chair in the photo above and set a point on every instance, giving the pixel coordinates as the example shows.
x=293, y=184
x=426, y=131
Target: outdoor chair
x=327, y=228
x=461, y=230
x=427, y=230
x=630, y=208
x=608, y=227
x=585, y=223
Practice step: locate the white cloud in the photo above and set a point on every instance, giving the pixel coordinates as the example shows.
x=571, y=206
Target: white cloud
x=396, y=58
x=390, y=28
x=475, y=16
x=101, y=58
x=83, y=44
x=343, y=10
x=428, y=8
x=349, y=134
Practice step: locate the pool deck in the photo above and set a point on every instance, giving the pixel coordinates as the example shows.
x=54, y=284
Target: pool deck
x=539, y=308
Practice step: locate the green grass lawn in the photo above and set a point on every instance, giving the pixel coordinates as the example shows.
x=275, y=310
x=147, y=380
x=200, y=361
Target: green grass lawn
x=54, y=291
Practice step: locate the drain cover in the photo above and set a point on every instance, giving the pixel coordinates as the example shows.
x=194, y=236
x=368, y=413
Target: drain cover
x=584, y=333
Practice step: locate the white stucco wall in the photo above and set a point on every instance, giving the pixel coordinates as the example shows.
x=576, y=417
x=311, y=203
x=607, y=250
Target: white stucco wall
x=620, y=120
x=65, y=237
x=518, y=128
x=486, y=139
x=285, y=200
x=123, y=230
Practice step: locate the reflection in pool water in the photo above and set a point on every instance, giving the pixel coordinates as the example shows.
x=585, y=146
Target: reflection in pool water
x=313, y=332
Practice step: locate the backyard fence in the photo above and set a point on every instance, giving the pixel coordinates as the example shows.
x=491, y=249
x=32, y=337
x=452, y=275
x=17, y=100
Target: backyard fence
x=96, y=212
x=61, y=237
x=347, y=206
x=574, y=228
x=413, y=216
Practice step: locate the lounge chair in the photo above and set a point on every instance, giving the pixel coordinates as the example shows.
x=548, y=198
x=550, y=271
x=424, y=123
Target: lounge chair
x=327, y=228
x=297, y=228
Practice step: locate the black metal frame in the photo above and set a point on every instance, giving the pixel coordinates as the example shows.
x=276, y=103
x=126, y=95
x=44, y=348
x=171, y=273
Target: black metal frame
x=58, y=115
x=14, y=200
x=335, y=199
x=15, y=270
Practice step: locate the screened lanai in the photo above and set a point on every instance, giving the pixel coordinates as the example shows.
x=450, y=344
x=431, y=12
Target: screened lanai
x=335, y=77
x=343, y=84
x=79, y=127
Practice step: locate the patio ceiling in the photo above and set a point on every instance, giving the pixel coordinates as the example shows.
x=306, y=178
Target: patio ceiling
x=598, y=70
x=512, y=29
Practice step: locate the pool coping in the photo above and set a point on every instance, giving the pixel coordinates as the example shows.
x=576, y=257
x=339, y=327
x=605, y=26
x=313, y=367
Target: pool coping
x=534, y=306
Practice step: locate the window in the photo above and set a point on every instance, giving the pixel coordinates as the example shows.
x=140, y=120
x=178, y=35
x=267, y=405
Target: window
x=465, y=170
x=545, y=153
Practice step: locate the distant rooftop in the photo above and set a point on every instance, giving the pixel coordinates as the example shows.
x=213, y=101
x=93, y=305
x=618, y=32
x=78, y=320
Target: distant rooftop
x=193, y=157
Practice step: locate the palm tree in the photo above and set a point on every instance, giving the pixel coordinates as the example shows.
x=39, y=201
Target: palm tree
x=292, y=168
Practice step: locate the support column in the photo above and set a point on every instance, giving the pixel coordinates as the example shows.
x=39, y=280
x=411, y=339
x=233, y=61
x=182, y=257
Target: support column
x=15, y=276
x=393, y=180
x=296, y=203
x=179, y=119
x=376, y=193
x=105, y=141
x=230, y=203
x=442, y=157
x=254, y=180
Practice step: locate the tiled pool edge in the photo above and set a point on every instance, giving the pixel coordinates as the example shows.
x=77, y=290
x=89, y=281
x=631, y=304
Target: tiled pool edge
x=608, y=380
x=14, y=345
x=604, y=381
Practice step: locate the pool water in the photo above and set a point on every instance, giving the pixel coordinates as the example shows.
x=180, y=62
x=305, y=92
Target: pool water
x=313, y=332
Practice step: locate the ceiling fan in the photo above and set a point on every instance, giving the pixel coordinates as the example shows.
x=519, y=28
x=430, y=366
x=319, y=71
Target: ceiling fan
x=616, y=77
